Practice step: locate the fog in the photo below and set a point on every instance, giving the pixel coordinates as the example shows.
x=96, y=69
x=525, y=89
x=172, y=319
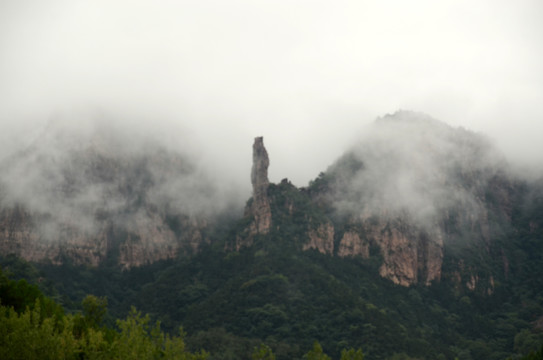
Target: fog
x=78, y=179
x=208, y=76
x=412, y=166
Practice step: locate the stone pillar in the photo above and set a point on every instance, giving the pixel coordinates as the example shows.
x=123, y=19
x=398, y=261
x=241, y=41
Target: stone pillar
x=259, y=178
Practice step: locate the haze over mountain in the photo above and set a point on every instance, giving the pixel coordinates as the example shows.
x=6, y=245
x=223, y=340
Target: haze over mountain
x=306, y=75
x=108, y=192
x=409, y=162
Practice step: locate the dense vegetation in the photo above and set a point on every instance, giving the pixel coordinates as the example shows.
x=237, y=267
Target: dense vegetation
x=230, y=303
x=33, y=326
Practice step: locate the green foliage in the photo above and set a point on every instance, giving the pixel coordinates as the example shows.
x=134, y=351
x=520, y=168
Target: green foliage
x=534, y=355
x=17, y=294
x=139, y=340
x=94, y=309
x=316, y=353
x=527, y=341
x=230, y=303
x=352, y=354
x=37, y=332
x=263, y=352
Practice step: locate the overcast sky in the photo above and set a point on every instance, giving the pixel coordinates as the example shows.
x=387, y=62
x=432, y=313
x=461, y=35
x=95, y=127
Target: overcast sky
x=307, y=75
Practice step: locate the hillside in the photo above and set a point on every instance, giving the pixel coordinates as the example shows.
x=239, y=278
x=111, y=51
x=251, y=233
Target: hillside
x=418, y=243
x=102, y=195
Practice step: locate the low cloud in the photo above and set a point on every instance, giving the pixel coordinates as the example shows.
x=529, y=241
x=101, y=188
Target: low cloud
x=409, y=164
x=106, y=170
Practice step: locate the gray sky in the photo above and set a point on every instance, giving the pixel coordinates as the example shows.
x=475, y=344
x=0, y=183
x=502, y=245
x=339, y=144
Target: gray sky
x=307, y=75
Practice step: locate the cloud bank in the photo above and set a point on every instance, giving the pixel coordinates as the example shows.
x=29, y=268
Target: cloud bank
x=100, y=171
x=409, y=164
x=307, y=75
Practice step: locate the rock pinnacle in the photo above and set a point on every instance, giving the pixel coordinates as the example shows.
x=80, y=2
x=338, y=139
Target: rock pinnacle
x=259, y=178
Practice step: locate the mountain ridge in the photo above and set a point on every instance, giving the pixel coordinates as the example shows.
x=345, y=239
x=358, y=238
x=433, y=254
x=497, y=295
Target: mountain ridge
x=404, y=252
x=410, y=186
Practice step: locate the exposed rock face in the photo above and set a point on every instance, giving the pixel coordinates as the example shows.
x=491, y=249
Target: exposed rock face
x=410, y=255
x=321, y=239
x=260, y=208
x=147, y=241
x=20, y=235
x=91, y=200
x=352, y=245
x=153, y=240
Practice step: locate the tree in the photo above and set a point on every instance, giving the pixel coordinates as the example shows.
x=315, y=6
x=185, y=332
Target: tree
x=94, y=309
x=352, y=354
x=263, y=352
x=138, y=340
x=316, y=353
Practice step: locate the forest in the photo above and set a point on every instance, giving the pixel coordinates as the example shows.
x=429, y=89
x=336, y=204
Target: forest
x=259, y=303
x=34, y=326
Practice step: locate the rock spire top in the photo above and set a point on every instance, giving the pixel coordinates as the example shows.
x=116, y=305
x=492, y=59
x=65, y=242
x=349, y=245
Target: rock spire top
x=259, y=172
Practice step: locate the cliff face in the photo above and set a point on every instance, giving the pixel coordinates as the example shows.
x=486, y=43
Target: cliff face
x=321, y=239
x=410, y=255
x=352, y=244
x=99, y=200
x=146, y=241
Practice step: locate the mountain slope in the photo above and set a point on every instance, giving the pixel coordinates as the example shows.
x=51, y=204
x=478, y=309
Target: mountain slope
x=416, y=191
x=419, y=242
x=104, y=195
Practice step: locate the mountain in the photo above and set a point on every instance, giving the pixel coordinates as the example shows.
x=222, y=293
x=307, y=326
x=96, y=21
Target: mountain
x=419, y=242
x=104, y=195
x=416, y=191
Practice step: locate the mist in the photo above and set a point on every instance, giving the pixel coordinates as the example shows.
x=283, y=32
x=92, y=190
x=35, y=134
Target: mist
x=79, y=176
x=307, y=76
x=409, y=165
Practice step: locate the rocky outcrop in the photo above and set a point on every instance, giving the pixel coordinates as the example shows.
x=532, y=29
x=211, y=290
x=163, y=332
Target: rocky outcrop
x=321, y=239
x=410, y=255
x=260, y=207
x=147, y=240
x=352, y=244
x=21, y=234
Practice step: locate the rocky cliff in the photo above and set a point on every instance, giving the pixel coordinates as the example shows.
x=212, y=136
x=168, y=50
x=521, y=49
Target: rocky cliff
x=409, y=254
x=98, y=199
